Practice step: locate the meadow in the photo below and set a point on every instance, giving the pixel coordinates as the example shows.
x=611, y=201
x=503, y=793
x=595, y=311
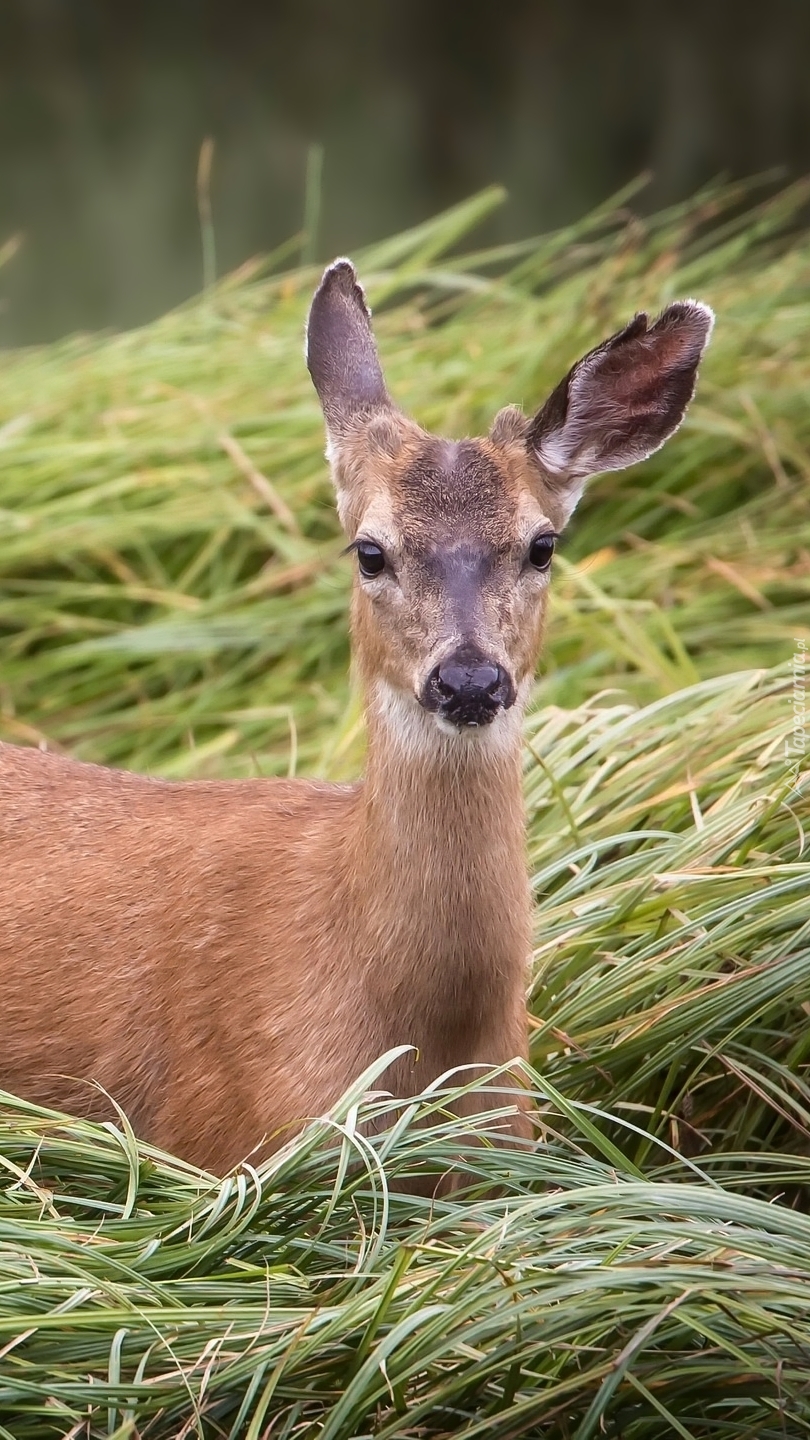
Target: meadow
x=173, y=599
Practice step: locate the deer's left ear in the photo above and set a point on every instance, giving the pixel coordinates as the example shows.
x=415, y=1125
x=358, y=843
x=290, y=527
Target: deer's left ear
x=621, y=401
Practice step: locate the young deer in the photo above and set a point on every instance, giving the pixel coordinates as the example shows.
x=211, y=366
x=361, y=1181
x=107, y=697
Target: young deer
x=224, y=958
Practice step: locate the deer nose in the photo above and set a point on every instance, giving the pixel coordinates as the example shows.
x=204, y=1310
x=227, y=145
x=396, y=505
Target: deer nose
x=454, y=679
x=468, y=689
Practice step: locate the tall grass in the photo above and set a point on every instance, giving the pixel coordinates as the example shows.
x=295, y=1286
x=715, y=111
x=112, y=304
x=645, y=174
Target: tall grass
x=172, y=598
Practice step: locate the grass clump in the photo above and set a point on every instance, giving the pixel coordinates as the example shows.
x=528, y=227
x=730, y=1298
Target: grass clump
x=585, y=1299
x=172, y=598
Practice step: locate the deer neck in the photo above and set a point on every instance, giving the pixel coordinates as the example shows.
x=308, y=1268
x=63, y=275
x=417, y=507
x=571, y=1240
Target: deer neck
x=442, y=883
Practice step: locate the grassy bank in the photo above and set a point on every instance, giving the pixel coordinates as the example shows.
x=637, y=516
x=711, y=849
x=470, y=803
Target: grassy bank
x=172, y=598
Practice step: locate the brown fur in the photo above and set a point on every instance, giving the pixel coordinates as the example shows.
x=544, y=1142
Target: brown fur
x=225, y=958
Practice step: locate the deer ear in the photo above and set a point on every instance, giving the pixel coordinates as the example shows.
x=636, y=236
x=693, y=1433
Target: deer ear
x=340, y=351
x=622, y=400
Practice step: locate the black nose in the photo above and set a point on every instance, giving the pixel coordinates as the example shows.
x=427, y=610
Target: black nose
x=468, y=689
x=454, y=679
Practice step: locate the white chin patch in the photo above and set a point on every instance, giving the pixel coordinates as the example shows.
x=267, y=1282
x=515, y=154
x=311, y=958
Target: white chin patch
x=443, y=724
x=423, y=732
x=459, y=731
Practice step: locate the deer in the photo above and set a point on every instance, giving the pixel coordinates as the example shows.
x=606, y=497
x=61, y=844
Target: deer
x=223, y=958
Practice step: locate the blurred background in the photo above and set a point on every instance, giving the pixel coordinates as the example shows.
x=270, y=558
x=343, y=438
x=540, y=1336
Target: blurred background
x=415, y=103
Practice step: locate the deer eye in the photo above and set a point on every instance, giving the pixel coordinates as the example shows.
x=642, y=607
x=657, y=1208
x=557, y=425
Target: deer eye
x=541, y=551
x=370, y=558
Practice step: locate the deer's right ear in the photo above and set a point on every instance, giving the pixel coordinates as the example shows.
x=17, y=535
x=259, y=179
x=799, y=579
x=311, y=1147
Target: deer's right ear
x=340, y=351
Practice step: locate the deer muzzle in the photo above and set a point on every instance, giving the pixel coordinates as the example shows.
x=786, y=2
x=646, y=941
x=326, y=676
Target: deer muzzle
x=468, y=689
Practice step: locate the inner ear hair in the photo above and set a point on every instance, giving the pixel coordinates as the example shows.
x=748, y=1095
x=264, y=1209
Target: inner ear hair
x=623, y=399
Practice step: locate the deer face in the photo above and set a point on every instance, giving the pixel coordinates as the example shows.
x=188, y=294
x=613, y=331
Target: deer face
x=453, y=551
x=453, y=540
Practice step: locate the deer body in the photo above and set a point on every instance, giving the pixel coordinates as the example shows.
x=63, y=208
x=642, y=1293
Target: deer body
x=177, y=941
x=224, y=958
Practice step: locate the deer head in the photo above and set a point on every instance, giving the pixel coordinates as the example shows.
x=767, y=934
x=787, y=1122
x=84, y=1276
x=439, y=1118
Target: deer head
x=454, y=539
